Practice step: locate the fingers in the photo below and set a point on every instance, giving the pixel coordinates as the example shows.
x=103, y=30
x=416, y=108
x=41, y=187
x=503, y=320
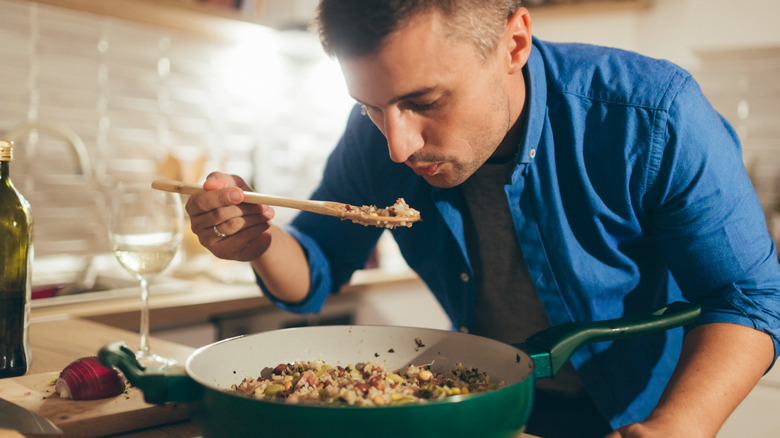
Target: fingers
x=218, y=214
x=247, y=243
x=219, y=180
x=220, y=191
x=230, y=220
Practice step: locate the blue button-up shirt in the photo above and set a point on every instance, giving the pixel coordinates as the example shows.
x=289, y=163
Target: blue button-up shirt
x=629, y=192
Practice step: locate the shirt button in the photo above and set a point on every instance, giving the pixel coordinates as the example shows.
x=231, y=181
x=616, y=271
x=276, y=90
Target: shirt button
x=464, y=329
x=532, y=153
x=464, y=277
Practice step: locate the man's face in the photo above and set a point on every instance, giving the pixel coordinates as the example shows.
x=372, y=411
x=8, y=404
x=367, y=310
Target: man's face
x=442, y=108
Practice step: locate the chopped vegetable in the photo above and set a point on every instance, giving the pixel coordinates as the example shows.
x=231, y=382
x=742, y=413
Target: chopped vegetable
x=88, y=379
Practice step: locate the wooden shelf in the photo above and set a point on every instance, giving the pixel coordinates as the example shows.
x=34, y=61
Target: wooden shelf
x=586, y=7
x=740, y=53
x=185, y=15
x=229, y=24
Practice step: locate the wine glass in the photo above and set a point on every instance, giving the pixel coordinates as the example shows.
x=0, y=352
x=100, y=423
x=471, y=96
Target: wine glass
x=145, y=230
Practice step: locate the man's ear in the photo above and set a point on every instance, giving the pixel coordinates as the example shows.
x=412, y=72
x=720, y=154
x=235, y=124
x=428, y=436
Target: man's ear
x=518, y=37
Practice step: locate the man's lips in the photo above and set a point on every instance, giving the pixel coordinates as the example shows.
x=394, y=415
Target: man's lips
x=427, y=170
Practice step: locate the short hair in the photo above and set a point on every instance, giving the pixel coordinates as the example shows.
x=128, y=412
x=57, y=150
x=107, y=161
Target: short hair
x=354, y=28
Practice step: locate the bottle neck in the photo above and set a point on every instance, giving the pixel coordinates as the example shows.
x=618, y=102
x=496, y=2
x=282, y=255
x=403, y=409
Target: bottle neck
x=5, y=169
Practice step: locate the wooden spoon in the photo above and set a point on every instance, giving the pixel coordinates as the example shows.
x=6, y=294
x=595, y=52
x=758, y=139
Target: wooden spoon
x=398, y=215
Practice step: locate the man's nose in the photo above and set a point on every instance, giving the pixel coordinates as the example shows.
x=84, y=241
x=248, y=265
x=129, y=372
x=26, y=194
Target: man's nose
x=404, y=136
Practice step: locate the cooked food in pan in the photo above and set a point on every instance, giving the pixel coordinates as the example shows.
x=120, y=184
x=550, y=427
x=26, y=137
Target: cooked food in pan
x=363, y=384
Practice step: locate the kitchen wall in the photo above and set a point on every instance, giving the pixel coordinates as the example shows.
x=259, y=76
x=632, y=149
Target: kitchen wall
x=145, y=100
x=140, y=101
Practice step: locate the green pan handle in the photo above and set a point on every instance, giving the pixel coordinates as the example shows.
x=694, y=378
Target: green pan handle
x=551, y=348
x=160, y=385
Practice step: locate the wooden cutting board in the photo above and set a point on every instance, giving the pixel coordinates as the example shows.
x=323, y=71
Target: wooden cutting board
x=88, y=418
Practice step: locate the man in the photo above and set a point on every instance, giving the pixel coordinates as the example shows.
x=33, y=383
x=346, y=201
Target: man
x=556, y=182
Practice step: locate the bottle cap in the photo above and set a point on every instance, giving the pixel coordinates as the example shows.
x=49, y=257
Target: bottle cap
x=6, y=150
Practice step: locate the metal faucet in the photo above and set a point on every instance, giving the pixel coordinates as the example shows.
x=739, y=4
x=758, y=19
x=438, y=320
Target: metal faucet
x=61, y=130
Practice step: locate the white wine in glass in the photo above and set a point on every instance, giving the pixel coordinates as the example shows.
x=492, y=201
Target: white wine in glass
x=145, y=230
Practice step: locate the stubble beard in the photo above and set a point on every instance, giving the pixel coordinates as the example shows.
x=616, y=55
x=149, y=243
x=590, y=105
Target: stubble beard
x=484, y=143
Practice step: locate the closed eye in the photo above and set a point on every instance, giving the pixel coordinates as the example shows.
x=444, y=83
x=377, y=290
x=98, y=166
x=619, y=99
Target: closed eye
x=367, y=110
x=421, y=107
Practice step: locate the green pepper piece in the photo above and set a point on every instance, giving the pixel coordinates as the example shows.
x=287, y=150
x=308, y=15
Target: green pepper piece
x=272, y=389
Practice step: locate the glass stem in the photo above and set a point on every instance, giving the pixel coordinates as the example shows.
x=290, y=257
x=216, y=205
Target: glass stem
x=144, y=349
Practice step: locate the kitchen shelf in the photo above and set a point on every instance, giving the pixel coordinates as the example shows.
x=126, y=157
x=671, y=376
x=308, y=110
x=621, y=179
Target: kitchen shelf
x=185, y=15
x=579, y=7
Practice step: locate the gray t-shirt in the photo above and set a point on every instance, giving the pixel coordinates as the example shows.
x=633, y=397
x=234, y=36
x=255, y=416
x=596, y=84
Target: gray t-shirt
x=506, y=304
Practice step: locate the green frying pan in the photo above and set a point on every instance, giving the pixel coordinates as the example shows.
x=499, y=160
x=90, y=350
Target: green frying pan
x=499, y=413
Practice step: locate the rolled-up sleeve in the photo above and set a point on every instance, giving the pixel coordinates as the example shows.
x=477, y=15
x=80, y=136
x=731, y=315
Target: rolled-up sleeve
x=335, y=248
x=707, y=219
x=319, y=271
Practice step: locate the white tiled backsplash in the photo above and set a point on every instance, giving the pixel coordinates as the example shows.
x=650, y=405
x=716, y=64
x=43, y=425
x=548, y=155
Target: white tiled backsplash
x=147, y=100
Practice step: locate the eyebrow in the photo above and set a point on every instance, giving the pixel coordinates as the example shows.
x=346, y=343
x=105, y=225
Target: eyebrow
x=412, y=95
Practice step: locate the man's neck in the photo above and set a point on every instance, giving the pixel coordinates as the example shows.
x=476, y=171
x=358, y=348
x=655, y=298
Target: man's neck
x=507, y=149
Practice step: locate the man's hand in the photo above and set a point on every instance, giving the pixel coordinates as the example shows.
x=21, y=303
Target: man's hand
x=225, y=225
x=233, y=230
x=639, y=430
x=719, y=365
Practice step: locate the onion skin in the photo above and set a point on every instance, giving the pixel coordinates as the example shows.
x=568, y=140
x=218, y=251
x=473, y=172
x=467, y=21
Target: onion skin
x=88, y=379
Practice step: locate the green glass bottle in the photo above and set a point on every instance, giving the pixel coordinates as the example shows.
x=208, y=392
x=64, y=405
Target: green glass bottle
x=16, y=254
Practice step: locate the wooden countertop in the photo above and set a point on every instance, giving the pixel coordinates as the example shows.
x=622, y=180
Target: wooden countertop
x=57, y=342
x=62, y=333
x=197, y=301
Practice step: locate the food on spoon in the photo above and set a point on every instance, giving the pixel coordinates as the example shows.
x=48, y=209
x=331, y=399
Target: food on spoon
x=88, y=379
x=371, y=215
x=363, y=384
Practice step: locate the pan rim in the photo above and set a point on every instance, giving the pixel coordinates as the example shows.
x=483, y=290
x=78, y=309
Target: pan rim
x=522, y=356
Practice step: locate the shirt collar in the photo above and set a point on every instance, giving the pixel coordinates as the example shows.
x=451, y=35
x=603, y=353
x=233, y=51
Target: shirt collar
x=535, y=106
